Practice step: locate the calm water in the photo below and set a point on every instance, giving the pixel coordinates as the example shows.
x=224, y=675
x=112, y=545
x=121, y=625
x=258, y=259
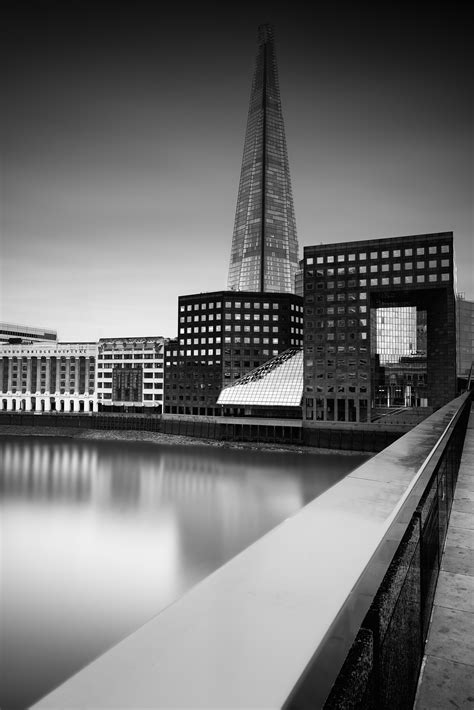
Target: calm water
x=98, y=536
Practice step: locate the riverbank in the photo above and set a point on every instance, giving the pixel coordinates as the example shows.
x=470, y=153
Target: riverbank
x=162, y=439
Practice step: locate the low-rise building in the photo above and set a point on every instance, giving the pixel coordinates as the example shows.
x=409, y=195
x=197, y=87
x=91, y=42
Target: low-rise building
x=130, y=374
x=222, y=336
x=48, y=377
x=13, y=333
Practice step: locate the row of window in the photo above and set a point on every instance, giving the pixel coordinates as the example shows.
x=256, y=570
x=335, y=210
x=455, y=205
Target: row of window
x=339, y=409
x=146, y=397
x=339, y=362
x=349, y=388
x=146, y=385
x=378, y=254
x=351, y=297
x=325, y=272
x=341, y=309
x=146, y=356
x=234, y=329
x=383, y=281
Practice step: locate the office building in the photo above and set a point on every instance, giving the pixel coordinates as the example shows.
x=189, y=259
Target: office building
x=223, y=335
x=344, y=286
x=130, y=374
x=48, y=377
x=464, y=335
x=13, y=333
x=274, y=389
x=264, y=255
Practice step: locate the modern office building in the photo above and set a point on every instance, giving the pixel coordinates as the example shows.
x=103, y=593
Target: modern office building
x=264, y=254
x=274, y=389
x=48, y=377
x=13, y=333
x=223, y=335
x=345, y=285
x=130, y=374
x=464, y=335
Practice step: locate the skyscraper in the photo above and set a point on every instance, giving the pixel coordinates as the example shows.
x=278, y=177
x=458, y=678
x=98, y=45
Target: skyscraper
x=264, y=254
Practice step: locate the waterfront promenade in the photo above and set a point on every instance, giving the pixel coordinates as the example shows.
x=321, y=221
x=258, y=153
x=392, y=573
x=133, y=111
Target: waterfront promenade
x=447, y=676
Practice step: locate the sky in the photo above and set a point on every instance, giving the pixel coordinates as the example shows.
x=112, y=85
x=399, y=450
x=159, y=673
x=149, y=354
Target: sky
x=122, y=133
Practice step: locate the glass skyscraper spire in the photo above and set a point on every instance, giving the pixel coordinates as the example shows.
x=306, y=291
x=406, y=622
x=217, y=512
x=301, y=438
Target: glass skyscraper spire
x=264, y=253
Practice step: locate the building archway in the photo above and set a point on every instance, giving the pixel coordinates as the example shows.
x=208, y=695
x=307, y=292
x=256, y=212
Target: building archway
x=43, y=407
x=4, y=404
x=71, y=405
x=81, y=405
x=61, y=406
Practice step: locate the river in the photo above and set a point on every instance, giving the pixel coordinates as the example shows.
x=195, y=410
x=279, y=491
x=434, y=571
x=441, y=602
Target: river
x=97, y=537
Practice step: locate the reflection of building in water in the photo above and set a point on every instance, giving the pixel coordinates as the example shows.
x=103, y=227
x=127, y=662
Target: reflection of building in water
x=57, y=471
x=48, y=376
x=400, y=356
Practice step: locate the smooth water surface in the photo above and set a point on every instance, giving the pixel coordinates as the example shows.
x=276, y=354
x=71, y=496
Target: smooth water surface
x=99, y=536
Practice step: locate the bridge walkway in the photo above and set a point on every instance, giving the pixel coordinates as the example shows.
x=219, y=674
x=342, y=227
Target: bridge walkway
x=447, y=676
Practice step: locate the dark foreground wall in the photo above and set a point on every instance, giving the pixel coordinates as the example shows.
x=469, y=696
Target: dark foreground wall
x=347, y=439
x=82, y=421
x=355, y=439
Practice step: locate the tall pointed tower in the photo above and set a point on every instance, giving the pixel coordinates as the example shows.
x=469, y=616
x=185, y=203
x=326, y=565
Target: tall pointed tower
x=264, y=253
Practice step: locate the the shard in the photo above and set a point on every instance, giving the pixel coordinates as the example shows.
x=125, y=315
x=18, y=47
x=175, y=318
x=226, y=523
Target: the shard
x=264, y=253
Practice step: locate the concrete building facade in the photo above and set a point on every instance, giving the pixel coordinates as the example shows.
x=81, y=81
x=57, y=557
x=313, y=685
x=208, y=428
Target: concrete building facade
x=47, y=376
x=344, y=285
x=464, y=335
x=14, y=333
x=130, y=374
x=223, y=335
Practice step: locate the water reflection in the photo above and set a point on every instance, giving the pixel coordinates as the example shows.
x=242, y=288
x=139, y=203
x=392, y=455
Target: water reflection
x=100, y=536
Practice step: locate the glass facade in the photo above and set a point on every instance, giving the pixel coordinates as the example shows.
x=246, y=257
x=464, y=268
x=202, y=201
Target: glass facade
x=395, y=333
x=264, y=254
x=277, y=383
x=399, y=356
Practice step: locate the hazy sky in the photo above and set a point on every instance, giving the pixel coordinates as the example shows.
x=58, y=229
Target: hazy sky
x=122, y=137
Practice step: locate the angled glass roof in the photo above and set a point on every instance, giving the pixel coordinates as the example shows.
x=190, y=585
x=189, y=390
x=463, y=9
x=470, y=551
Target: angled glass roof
x=277, y=383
